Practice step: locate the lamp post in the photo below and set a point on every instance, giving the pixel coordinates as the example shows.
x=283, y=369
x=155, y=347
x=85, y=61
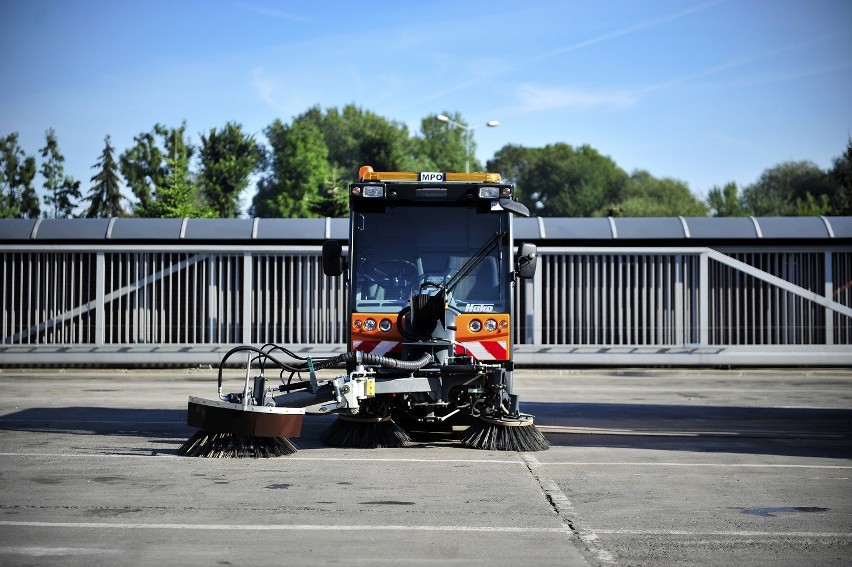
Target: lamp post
x=467, y=129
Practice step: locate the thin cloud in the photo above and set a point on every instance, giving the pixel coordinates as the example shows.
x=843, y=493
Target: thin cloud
x=269, y=91
x=534, y=98
x=541, y=98
x=641, y=26
x=747, y=60
x=270, y=13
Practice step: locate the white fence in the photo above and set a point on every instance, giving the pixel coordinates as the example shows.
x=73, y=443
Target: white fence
x=188, y=304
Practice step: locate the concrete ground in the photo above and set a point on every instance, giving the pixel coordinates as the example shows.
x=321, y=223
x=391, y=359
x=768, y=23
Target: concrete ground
x=647, y=467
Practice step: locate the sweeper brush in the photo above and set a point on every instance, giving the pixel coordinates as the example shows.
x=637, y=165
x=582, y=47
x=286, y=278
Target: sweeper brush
x=505, y=435
x=349, y=432
x=219, y=445
x=235, y=430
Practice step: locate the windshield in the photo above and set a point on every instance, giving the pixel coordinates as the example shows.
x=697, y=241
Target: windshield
x=403, y=249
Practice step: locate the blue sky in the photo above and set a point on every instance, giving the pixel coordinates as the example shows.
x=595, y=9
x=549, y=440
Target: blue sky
x=702, y=91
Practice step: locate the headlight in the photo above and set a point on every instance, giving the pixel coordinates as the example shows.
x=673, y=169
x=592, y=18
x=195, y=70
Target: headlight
x=370, y=325
x=490, y=325
x=373, y=191
x=385, y=325
x=489, y=192
x=475, y=325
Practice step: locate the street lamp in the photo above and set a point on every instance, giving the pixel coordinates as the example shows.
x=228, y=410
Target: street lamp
x=467, y=129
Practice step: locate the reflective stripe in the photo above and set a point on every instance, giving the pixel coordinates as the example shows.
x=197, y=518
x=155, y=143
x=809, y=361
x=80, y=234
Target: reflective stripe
x=487, y=350
x=379, y=348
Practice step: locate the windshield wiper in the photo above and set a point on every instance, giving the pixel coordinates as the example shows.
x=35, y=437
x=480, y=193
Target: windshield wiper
x=468, y=267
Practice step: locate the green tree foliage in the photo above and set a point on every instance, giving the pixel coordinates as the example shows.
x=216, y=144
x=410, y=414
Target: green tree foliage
x=783, y=190
x=297, y=169
x=841, y=176
x=647, y=196
x=143, y=166
x=18, y=198
x=559, y=180
x=356, y=137
x=443, y=147
x=228, y=158
x=334, y=195
x=62, y=192
x=512, y=162
x=725, y=201
x=177, y=197
x=148, y=166
x=105, y=195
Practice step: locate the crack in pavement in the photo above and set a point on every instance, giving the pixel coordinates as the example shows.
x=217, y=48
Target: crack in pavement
x=563, y=508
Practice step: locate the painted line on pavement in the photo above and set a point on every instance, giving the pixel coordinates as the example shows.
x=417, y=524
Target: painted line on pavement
x=736, y=434
x=280, y=459
x=697, y=465
x=842, y=535
x=471, y=461
x=276, y=527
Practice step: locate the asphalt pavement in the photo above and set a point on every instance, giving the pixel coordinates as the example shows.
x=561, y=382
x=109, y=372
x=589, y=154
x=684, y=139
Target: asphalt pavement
x=646, y=467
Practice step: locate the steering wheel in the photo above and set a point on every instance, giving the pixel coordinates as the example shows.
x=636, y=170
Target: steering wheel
x=393, y=270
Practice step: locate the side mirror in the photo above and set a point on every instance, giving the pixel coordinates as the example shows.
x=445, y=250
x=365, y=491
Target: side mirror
x=332, y=258
x=525, y=261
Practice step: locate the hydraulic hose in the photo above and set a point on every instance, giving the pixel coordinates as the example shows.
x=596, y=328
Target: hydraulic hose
x=387, y=362
x=377, y=360
x=265, y=357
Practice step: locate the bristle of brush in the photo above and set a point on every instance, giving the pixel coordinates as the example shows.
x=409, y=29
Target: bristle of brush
x=491, y=436
x=352, y=433
x=231, y=445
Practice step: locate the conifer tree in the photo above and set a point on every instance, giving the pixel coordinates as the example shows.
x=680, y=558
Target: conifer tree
x=105, y=196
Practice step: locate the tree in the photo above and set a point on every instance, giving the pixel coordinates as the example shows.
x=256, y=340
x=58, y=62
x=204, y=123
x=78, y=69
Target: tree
x=298, y=168
x=779, y=188
x=562, y=181
x=512, y=162
x=228, y=158
x=105, y=195
x=146, y=169
x=143, y=168
x=841, y=176
x=355, y=137
x=18, y=198
x=444, y=145
x=725, y=201
x=63, y=191
x=647, y=196
x=333, y=198
x=176, y=197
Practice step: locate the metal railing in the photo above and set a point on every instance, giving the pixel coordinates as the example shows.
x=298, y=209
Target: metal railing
x=83, y=304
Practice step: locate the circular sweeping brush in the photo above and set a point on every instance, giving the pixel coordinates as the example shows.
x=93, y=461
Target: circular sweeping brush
x=505, y=434
x=350, y=432
x=234, y=445
x=228, y=430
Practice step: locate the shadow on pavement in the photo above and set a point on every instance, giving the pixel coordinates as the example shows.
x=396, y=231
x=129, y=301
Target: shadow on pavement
x=811, y=432
x=802, y=432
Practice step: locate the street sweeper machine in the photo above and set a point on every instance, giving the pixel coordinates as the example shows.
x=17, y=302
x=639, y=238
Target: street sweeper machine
x=429, y=277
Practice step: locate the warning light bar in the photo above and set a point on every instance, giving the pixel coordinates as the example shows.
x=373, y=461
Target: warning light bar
x=366, y=173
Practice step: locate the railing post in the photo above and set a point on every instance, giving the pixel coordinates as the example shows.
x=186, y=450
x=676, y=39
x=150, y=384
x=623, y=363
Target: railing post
x=212, y=301
x=680, y=335
x=829, y=294
x=704, y=299
x=100, y=293
x=533, y=306
x=248, y=296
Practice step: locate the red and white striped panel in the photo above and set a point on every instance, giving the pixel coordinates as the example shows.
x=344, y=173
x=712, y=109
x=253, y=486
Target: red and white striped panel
x=485, y=350
x=379, y=348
